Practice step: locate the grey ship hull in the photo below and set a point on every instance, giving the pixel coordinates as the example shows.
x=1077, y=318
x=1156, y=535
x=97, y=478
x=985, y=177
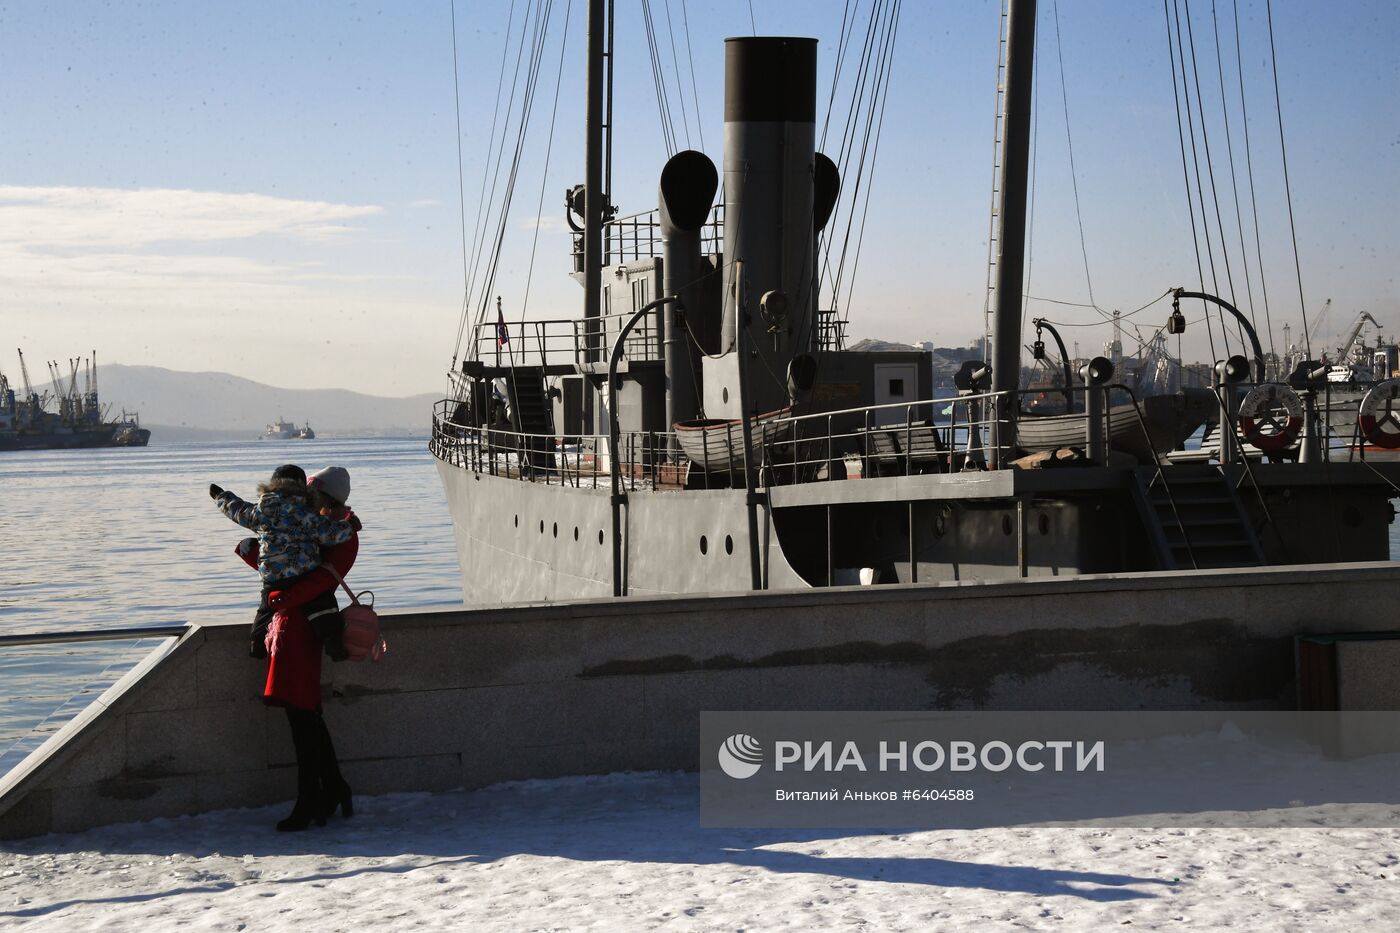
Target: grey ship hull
x=530, y=542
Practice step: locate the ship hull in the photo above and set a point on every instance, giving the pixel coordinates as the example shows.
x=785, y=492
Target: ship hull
x=73, y=440
x=528, y=542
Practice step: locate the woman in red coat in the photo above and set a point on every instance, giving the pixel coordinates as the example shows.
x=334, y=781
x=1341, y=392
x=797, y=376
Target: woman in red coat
x=294, y=648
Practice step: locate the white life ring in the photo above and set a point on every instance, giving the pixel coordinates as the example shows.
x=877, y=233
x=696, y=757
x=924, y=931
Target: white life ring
x=1381, y=397
x=1261, y=407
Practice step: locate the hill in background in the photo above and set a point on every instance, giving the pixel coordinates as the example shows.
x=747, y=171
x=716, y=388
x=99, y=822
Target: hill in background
x=179, y=406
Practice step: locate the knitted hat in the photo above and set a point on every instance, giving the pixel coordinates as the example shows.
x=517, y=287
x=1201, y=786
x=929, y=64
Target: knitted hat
x=334, y=481
x=290, y=471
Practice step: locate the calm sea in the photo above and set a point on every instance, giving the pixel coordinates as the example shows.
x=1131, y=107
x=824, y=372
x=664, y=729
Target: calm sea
x=117, y=538
x=125, y=537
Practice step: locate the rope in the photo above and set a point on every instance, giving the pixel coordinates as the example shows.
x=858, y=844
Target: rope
x=1287, y=188
x=1234, y=177
x=663, y=91
x=485, y=171
x=1210, y=167
x=1172, y=51
x=461, y=186
x=544, y=175
x=694, y=87
x=1073, y=176
x=1253, y=201
x=676, y=64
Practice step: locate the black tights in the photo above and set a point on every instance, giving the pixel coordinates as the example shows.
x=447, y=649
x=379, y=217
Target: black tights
x=318, y=771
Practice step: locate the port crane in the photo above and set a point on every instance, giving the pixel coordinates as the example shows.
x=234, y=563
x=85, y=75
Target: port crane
x=1347, y=344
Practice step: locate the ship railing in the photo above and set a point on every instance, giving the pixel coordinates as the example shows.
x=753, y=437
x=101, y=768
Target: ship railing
x=563, y=342
x=635, y=237
x=579, y=461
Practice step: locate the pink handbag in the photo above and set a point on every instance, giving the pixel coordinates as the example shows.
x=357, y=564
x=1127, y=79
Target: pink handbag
x=361, y=637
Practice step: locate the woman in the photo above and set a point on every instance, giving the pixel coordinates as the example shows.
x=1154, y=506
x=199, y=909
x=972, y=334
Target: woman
x=294, y=663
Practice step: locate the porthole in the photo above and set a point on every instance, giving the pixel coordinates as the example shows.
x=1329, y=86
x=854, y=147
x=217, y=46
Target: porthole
x=1044, y=522
x=724, y=394
x=600, y=537
x=704, y=545
x=541, y=526
x=728, y=544
x=1006, y=524
x=575, y=532
x=939, y=525
x=556, y=529
x=517, y=521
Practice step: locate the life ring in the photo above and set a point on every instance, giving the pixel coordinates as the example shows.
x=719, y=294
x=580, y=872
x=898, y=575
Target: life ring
x=1382, y=396
x=1260, y=407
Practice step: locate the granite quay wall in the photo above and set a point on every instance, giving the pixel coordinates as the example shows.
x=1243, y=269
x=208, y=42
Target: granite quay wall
x=470, y=697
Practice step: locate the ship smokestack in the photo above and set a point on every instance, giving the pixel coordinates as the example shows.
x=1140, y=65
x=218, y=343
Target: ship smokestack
x=688, y=184
x=770, y=103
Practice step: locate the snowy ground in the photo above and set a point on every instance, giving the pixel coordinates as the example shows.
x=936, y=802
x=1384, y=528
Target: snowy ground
x=626, y=852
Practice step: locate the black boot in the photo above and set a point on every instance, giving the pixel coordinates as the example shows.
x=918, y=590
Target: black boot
x=335, y=792
x=309, y=806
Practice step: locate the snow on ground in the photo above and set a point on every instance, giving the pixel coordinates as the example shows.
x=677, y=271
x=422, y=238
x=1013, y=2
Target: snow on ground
x=626, y=852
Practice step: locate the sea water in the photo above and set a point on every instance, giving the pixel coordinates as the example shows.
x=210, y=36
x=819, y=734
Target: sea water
x=103, y=539
x=93, y=539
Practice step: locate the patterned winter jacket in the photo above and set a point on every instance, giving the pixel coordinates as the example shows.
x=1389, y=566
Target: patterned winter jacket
x=290, y=533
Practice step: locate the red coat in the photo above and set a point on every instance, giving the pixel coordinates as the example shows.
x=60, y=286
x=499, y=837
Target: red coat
x=294, y=671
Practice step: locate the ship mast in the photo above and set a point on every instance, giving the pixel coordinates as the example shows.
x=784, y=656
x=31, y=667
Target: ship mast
x=1011, y=228
x=594, y=197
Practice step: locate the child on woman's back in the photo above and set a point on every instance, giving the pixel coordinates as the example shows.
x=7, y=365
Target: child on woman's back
x=290, y=536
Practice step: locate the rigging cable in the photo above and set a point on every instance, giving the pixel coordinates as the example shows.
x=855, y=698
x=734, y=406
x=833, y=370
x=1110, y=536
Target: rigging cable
x=694, y=87
x=493, y=171
x=658, y=78
x=848, y=134
x=1210, y=165
x=1253, y=201
x=1030, y=208
x=676, y=64
x=1073, y=177
x=542, y=20
x=544, y=175
x=1287, y=189
x=485, y=171
x=882, y=93
x=1173, y=50
x=842, y=42
x=461, y=186
x=1234, y=176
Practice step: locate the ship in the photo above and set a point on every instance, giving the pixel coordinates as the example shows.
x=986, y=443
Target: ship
x=700, y=428
x=279, y=430
x=63, y=417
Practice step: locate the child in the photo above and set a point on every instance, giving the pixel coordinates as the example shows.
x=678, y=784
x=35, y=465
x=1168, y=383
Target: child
x=328, y=489
x=290, y=537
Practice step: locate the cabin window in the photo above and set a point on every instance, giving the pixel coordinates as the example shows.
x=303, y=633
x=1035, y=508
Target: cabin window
x=897, y=388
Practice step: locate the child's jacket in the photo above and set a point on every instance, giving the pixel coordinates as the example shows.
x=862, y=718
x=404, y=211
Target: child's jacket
x=290, y=533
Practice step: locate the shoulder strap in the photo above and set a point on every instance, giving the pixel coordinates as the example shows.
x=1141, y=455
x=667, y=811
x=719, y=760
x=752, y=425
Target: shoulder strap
x=341, y=580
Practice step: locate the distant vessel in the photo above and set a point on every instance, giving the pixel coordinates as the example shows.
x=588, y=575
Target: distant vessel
x=281, y=430
x=26, y=423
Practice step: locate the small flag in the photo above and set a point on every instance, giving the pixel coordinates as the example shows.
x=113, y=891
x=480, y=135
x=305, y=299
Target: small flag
x=502, y=335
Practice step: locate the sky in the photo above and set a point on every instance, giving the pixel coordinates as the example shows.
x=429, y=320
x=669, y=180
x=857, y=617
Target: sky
x=272, y=189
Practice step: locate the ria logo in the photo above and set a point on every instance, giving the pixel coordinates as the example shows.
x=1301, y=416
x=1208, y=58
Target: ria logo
x=740, y=756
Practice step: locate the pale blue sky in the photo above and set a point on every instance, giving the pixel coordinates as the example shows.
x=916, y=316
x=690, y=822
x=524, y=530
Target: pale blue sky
x=270, y=189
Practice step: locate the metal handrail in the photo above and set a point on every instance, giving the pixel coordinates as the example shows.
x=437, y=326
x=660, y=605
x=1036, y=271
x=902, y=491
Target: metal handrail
x=88, y=635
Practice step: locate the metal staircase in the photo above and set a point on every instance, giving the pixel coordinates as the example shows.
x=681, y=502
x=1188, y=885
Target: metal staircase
x=1197, y=521
x=531, y=415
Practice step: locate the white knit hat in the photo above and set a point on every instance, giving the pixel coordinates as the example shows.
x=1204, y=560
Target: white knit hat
x=334, y=481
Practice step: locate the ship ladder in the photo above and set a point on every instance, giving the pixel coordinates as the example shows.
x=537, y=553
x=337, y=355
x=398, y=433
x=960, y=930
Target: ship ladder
x=1197, y=520
x=532, y=418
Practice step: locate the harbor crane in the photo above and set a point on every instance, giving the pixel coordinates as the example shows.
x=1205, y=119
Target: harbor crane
x=1347, y=344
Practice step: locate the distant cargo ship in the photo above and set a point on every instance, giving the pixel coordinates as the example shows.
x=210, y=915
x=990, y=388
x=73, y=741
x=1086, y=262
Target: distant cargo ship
x=28, y=423
x=281, y=430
